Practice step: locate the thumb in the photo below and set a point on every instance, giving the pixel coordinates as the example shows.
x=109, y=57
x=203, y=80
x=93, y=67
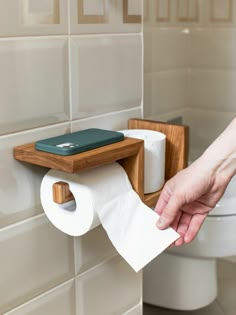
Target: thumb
x=169, y=212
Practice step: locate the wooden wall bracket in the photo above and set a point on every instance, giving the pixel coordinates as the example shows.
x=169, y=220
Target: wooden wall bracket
x=129, y=153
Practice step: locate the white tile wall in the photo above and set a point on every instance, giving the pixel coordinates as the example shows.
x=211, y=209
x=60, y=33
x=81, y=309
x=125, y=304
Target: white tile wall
x=34, y=83
x=168, y=90
x=213, y=89
x=103, y=16
x=20, y=182
x=113, y=121
x=212, y=48
x=35, y=257
x=48, y=53
x=169, y=49
x=58, y=301
x=32, y=17
x=91, y=249
x=106, y=74
x=113, y=282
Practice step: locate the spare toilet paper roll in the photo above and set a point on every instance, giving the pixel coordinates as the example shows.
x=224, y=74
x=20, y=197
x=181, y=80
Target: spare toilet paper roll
x=104, y=194
x=154, y=159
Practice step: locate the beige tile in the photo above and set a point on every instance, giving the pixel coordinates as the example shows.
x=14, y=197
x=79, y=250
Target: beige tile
x=213, y=89
x=212, y=48
x=163, y=10
x=106, y=74
x=20, y=182
x=168, y=91
x=92, y=248
x=112, y=121
x=221, y=12
x=32, y=17
x=34, y=83
x=58, y=301
x=132, y=12
x=188, y=11
x=105, y=16
x=169, y=49
x=110, y=288
x=227, y=286
x=226, y=270
x=35, y=257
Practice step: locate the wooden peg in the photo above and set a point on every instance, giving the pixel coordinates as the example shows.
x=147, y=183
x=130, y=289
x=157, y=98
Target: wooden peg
x=61, y=192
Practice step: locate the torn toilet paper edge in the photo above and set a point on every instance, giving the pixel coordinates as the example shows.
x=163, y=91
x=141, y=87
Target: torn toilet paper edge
x=137, y=240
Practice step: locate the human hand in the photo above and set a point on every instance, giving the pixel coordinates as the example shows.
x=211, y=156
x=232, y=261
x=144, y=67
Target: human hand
x=188, y=197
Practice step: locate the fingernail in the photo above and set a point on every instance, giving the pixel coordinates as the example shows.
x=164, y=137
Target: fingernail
x=160, y=222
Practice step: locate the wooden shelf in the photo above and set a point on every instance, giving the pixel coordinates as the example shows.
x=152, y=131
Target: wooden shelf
x=151, y=199
x=129, y=153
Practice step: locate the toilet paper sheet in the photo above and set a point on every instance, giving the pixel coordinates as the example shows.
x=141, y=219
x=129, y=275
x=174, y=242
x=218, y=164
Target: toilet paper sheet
x=104, y=195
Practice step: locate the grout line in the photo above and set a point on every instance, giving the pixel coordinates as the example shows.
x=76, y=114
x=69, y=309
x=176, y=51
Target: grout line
x=39, y=296
x=104, y=261
x=70, y=79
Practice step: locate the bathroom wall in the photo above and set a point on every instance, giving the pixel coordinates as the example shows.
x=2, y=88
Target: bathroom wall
x=165, y=56
x=194, y=76
x=65, y=65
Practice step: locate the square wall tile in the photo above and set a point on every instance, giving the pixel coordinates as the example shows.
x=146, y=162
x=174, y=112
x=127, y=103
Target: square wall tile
x=168, y=91
x=92, y=248
x=105, y=16
x=35, y=257
x=90, y=16
x=20, y=182
x=111, y=121
x=106, y=74
x=34, y=83
x=33, y=17
x=111, y=288
x=212, y=48
x=213, y=89
x=58, y=301
x=169, y=49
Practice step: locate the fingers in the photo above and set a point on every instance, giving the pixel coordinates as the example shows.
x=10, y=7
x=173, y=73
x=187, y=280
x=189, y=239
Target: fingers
x=162, y=201
x=169, y=212
x=182, y=228
x=194, y=226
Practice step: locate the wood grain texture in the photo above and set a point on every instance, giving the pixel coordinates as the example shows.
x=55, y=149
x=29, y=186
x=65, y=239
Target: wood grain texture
x=134, y=167
x=129, y=153
x=177, y=137
x=61, y=192
x=78, y=162
x=176, y=143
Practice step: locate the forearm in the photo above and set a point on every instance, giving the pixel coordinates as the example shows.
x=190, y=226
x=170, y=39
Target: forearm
x=221, y=154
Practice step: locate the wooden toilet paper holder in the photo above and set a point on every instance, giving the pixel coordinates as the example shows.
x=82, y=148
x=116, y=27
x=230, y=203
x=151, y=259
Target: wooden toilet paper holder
x=129, y=153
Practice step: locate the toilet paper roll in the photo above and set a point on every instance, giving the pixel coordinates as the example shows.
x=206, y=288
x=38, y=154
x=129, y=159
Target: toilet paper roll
x=105, y=195
x=154, y=159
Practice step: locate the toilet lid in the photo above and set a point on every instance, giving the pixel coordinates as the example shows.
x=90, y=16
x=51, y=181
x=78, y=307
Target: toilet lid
x=227, y=204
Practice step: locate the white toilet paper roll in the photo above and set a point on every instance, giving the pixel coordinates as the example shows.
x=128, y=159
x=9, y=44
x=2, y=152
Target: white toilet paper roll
x=154, y=161
x=104, y=194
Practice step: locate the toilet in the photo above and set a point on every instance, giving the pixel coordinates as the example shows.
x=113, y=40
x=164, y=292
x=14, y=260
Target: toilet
x=185, y=278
